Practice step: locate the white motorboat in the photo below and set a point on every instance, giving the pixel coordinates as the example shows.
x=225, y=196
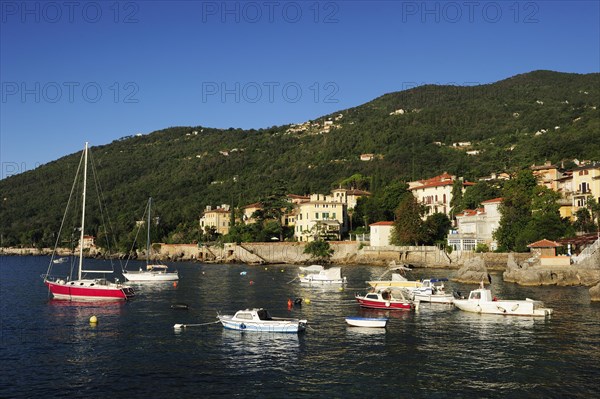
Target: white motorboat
x=259, y=320
x=371, y=322
x=318, y=275
x=482, y=301
x=432, y=291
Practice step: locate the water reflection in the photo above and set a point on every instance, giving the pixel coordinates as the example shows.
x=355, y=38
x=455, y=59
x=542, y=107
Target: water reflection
x=244, y=350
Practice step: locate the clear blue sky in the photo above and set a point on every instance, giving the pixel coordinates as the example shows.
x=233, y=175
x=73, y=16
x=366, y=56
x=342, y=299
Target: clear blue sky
x=97, y=71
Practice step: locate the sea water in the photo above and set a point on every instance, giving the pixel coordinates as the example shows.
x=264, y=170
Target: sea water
x=49, y=348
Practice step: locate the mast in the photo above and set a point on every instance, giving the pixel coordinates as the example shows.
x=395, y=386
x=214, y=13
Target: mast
x=85, y=154
x=148, y=238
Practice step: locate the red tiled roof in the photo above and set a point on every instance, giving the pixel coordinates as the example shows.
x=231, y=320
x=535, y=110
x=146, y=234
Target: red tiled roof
x=440, y=184
x=544, y=244
x=254, y=205
x=382, y=224
x=471, y=212
x=491, y=201
x=357, y=192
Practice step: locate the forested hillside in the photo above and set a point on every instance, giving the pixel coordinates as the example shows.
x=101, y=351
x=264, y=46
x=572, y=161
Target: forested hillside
x=503, y=126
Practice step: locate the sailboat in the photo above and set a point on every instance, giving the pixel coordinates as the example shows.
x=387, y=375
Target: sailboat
x=83, y=289
x=154, y=272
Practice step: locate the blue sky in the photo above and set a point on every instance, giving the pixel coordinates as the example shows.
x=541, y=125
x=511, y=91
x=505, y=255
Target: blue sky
x=96, y=71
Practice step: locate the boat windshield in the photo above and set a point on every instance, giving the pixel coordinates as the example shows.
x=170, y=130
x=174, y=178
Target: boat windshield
x=263, y=314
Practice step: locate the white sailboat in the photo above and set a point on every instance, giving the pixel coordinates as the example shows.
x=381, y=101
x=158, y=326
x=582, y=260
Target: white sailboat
x=83, y=289
x=155, y=272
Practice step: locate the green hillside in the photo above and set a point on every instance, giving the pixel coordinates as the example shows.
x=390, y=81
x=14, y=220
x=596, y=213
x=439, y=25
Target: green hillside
x=411, y=134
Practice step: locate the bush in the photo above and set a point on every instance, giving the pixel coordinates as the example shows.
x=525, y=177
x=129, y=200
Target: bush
x=482, y=248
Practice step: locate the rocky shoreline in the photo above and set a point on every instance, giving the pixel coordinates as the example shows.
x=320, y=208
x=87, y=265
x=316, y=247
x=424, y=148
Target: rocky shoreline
x=469, y=268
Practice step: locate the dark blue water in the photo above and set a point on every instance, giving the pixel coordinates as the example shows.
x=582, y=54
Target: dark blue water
x=49, y=349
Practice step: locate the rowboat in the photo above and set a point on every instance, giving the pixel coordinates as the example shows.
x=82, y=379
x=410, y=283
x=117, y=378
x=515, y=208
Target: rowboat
x=372, y=322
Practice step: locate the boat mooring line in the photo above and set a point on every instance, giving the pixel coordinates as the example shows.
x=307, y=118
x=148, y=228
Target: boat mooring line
x=179, y=326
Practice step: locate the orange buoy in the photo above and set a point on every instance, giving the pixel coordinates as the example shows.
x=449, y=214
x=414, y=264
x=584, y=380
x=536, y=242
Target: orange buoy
x=175, y=284
x=290, y=303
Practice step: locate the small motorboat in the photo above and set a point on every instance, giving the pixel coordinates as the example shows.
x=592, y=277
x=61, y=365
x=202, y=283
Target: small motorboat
x=432, y=291
x=482, y=301
x=384, y=299
x=259, y=320
x=318, y=275
x=372, y=322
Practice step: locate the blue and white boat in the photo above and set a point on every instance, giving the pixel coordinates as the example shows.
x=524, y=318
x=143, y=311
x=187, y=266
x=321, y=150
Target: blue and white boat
x=260, y=320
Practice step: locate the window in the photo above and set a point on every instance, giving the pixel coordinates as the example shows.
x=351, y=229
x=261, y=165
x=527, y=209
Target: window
x=316, y=215
x=333, y=215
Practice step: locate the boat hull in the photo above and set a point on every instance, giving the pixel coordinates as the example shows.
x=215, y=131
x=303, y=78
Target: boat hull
x=267, y=326
x=434, y=298
x=382, y=284
x=370, y=322
x=386, y=305
x=150, y=276
x=89, y=290
x=312, y=281
x=506, y=308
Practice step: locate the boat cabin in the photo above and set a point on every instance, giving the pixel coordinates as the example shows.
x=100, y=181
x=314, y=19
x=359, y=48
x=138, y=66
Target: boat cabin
x=481, y=295
x=253, y=314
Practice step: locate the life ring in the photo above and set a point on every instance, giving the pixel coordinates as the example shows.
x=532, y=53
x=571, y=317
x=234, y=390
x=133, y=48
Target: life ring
x=387, y=304
x=242, y=326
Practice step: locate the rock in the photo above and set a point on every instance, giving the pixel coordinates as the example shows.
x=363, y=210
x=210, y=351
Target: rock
x=595, y=293
x=472, y=272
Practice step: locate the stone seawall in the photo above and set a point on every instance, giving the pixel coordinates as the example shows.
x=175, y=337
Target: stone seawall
x=345, y=252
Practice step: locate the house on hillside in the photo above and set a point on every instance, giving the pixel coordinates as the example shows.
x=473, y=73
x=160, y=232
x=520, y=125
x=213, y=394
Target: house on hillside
x=547, y=175
x=586, y=184
x=348, y=197
x=219, y=218
x=476, y=226
x=322, y=216
x=435, y=193
x=380, y=233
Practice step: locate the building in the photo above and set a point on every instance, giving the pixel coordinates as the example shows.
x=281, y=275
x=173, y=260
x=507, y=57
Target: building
x=322, y=216
x=476, y=226
x=586, y=184
x=380, y=233
x=547, y=175
x=435, y=193
x=349, y=197
x=546, y=250
x=248, y=211
x=219, y=218
x=89, y=242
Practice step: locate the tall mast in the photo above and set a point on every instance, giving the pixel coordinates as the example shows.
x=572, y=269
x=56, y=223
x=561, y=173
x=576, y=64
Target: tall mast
x=148, y=238
x=85, y=155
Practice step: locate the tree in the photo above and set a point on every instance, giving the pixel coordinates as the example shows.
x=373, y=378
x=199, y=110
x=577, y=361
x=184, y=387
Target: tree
x=584, y=222
x=456, y=200
x=594, y=207
x=408, y=226
x=515, y=211
x=475, y=195
x=436, y=228
x=319, y=250
x=274, y=207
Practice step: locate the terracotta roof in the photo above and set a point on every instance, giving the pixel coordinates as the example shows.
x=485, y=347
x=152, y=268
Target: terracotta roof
x=298, y=196
x=491, y=201
x=382, y=224
x=254, y=205
x=440, y=184
x=544, y=244
x=357, y=192
x=471, y=212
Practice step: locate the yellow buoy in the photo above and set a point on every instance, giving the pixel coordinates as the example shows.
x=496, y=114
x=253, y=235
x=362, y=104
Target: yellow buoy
x=306, y=301
x=341, y=288
x=93, y=320
x=282, y=270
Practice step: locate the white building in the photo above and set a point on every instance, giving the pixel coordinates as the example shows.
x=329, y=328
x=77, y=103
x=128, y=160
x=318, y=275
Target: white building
x=380, y=233
x=476, y=227
x=435, y=193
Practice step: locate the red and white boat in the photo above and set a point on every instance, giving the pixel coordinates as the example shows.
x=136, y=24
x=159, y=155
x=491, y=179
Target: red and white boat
x=84, y=289
x=384, y=299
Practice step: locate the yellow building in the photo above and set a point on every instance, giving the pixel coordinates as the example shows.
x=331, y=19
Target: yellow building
x=547, y=175
x=586, y=184
x=321, y=216
x=218, y=218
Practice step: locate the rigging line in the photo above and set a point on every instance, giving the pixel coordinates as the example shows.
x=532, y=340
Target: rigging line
x=62, y=223
x=103, y=212
x=136, y=236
